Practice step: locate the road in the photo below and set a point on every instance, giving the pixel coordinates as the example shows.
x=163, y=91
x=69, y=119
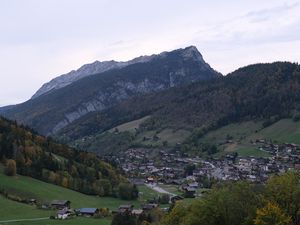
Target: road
x=159, y=189
x=22, y=220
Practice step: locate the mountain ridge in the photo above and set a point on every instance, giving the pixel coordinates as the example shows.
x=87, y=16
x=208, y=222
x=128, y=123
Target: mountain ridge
x=56, y=109
x=97, y=67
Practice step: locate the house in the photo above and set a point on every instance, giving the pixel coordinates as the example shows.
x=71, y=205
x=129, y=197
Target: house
x=189, y=192
x=193, y=185
x=60, y=204
x=176, y=198
x=32, y=201
x=150, y=206
x=150, y=180
x=63, y=214
x=88, y=212
x=125, y=209
x=137, y=212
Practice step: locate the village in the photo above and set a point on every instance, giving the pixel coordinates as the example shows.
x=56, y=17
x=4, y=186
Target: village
x=189, y=177
x=191, y=174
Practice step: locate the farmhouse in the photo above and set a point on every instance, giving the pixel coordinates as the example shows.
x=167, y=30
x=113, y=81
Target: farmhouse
x=60, y=204
x=125, y=209
x=63, y=214
x=88, y=212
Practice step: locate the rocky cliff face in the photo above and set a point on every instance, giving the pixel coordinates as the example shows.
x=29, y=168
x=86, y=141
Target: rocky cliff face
x=52, y=110
x=87, y=70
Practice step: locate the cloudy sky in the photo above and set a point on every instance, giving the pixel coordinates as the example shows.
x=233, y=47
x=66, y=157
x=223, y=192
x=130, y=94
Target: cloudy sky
x=40, y=40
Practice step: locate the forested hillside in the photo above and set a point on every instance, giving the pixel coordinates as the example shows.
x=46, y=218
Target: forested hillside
x=260, y=91
x=25, y=152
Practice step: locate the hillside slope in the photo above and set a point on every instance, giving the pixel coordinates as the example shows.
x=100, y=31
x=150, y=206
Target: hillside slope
x=51, y=112
x=254, y=92
x=44, y=159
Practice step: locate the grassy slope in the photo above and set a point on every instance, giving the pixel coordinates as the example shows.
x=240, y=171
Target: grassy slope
x=47, y=192
x=27, y=186
x=285, y=130
x=169, y=135
x=130, y=126
x=9, y=208
x=74, y=221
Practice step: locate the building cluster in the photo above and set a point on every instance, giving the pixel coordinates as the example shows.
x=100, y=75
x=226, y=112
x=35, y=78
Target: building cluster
x=64, y=210
x=172, y=168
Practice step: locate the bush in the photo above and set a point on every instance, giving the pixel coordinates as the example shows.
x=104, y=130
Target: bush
x=296, y=117
x=10, y=168
x=164, y=199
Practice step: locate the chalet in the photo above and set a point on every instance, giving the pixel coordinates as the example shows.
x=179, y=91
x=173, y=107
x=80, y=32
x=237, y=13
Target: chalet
x=189, y=192
x=125, y=209
x=63, y=214
x=137, y=212
x=88, y=212
x=60, y=204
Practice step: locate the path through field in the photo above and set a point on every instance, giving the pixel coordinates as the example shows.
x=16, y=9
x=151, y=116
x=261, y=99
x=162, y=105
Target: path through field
x=159, y=189
x=22, y=220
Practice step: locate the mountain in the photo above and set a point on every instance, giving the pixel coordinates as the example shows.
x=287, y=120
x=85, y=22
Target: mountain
x=87, y=70
x=44, y=159
x=260, y=91
x=52, y=111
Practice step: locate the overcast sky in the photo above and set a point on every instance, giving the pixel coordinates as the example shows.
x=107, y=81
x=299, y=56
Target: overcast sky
x=41, y=39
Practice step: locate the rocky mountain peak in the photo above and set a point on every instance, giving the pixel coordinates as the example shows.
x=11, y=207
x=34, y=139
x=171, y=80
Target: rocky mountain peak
x=98, y=67
x=192, y=52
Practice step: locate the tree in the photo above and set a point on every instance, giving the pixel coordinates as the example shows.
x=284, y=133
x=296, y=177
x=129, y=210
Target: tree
x=176, y=216
x=124, y=219
x=284, y=190
x=164, y=199
x=11, y=168
x=128, y=191
x=272, y=214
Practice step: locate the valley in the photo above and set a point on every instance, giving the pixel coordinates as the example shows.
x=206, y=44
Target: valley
x=135, y=141
x=29, y=188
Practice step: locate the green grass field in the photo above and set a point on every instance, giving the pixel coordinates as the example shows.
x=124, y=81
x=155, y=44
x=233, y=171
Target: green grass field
x=171, y=136
x=250, y=151
x=238, y=131
x=32, y=188
x=46, y=192
x=14, y=210
x=285, y=130
x=130, y=126
x=171, y=188
x=73, y=221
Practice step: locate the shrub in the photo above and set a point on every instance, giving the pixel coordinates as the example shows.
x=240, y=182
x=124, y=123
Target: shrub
x=11, y=168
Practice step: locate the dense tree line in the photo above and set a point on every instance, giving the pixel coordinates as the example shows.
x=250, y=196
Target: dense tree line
x=39, y=157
